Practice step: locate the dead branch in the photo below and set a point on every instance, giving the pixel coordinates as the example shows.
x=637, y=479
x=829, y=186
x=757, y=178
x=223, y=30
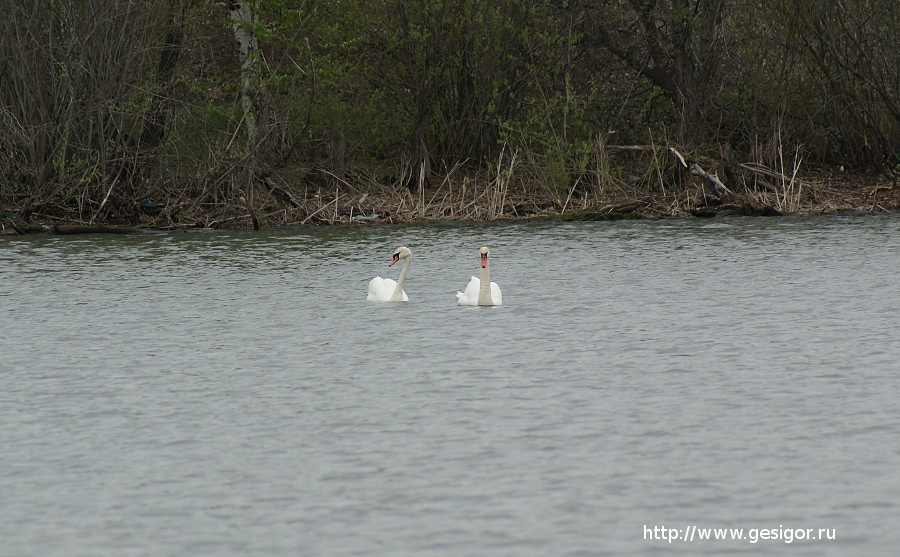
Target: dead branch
x=765, y=171
x=645, y=148
x=712, y=179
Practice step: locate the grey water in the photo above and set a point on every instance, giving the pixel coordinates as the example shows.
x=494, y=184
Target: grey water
x=232, y=393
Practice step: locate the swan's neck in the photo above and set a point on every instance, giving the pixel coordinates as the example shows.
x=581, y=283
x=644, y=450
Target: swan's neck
x=397, y=296
x=484, y=291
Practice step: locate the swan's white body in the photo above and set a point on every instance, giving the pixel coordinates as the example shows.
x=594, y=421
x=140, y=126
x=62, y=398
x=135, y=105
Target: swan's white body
x=470, y=296
x=386, y=290
x=481, y=291
x=382, y=290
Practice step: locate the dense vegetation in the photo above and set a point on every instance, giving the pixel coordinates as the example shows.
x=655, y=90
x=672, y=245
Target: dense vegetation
x=172, y=112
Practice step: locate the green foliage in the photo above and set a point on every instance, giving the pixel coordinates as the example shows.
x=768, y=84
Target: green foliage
x=438, y=82
x=426, y=78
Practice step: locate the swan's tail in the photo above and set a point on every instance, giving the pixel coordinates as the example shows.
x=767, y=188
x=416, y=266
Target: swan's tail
x=469, y=297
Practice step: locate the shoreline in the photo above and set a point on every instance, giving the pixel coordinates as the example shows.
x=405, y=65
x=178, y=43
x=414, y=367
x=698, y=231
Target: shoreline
x=834, y=193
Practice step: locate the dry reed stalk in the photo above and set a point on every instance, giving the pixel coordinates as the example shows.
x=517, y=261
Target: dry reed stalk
x=474, y=203
x=656, y=168
x=788, y=198
x=569, y=196
x=446, y=181
x=496, y=184
x=462, y=198
x=499, y=186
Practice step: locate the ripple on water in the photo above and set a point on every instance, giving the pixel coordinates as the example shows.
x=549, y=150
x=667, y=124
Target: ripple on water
x=232, y=393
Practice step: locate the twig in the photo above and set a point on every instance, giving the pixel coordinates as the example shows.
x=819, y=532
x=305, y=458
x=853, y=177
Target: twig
x=447, y=180
x=765, y=171
x=643, y=148
x=105, y=199
x=320, y=209
x=571, y=191
x=337, y=195
x=341, y=180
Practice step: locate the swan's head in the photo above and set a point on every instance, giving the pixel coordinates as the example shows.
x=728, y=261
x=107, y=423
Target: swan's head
x=484, y=253
x=400, y=253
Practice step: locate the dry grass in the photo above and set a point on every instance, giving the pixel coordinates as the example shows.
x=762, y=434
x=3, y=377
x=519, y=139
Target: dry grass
x=655, y=179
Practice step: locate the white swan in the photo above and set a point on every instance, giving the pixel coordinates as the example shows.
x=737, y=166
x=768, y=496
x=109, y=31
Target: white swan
x=478, y=293
x=386, y=290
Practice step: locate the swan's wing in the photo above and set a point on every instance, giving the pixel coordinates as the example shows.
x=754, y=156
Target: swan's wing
x=380, y=290
x=496, y=296
x=470, y=296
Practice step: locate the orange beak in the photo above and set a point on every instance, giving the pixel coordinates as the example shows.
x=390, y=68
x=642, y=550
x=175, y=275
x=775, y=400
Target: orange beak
x=483, y=260
x=395, y=259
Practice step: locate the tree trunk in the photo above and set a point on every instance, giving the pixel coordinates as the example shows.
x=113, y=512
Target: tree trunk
x=244, y=16
x=154, y=126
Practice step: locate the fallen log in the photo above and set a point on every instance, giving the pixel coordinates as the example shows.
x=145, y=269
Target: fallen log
x=736, y=209
x=624, y=206
x=624, y=209
x=92, y=229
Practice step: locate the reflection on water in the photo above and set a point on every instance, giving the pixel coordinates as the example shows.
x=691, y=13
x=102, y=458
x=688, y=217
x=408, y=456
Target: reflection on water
x=232, y=393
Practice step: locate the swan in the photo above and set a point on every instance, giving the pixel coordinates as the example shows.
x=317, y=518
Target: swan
x=386, y=290
x=478, y=293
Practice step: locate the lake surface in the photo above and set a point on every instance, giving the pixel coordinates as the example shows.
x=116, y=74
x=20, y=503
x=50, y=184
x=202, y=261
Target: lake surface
x=232, y=393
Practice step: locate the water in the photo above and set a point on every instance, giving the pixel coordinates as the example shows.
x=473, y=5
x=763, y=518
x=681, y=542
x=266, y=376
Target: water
x=232, y=393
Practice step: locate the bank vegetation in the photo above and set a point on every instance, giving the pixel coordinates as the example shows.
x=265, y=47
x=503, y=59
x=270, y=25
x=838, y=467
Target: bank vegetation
x=173, y=113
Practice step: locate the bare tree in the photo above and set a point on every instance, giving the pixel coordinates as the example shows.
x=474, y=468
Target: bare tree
x=72, y=95
x=678, y=45
x=854, y=45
